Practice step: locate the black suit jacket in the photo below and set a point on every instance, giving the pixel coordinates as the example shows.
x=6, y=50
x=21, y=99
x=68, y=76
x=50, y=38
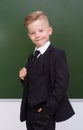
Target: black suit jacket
x=56, y=71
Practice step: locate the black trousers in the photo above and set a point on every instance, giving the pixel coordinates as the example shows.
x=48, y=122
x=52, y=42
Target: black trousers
x=38, y=120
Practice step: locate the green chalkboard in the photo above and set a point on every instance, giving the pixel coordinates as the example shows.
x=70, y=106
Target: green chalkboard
x=66, y=17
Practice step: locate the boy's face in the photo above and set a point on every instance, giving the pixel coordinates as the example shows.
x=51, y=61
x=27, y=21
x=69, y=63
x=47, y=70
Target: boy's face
x=39, y=32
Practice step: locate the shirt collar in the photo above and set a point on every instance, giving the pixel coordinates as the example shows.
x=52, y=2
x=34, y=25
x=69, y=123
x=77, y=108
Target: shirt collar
x=43, y=48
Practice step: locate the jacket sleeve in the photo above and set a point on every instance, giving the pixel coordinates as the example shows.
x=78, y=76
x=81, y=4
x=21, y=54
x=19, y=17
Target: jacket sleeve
x=59, y=78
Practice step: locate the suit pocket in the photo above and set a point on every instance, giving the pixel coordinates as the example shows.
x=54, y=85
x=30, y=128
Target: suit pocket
x=42, y=119
x=43, y=115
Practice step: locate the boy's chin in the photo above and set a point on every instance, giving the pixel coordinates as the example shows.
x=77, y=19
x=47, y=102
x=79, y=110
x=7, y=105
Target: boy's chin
x=39, y=44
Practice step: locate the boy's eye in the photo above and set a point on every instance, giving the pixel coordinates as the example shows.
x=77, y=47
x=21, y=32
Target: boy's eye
x=41, y=30
x=32, y=33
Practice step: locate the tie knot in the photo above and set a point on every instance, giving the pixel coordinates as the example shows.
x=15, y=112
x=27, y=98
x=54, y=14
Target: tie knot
x=36, y=53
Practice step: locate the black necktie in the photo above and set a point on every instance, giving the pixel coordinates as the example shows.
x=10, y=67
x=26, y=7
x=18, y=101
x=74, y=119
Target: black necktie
x=36, y=54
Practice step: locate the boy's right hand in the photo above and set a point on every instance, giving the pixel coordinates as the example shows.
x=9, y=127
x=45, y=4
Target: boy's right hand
x=22, y=73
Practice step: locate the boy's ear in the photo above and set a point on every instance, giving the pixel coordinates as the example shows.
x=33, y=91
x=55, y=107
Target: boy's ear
x=28, y=34
x=50, y=30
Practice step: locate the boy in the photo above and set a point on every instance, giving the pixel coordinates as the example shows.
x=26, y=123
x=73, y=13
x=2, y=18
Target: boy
x=45, y=79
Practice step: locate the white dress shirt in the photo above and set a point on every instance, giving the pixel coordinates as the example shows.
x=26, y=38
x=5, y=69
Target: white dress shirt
x=43, y=48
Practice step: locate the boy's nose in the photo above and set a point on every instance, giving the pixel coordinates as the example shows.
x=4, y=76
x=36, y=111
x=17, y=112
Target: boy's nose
x=37, y=34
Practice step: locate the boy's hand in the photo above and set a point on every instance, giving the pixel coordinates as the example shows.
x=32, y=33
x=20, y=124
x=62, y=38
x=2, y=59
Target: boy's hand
x=39, y=110
x=22, y=73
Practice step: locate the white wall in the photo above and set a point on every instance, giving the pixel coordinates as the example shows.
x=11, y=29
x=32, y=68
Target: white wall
x=10, y=111
x=76, y=122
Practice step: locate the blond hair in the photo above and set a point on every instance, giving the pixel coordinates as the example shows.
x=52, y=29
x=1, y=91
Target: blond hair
x=35, y=16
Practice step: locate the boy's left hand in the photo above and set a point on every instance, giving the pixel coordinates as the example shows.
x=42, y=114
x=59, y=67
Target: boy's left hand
x=39, y=110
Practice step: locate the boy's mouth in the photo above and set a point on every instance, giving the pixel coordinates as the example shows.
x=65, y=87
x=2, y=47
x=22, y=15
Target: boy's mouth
x=39, y=40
